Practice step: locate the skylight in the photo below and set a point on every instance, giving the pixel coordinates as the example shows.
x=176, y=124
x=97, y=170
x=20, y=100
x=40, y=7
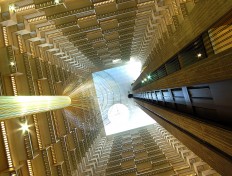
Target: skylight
x=118, y=111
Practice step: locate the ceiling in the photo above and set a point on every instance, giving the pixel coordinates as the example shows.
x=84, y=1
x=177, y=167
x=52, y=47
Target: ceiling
x=92, y=35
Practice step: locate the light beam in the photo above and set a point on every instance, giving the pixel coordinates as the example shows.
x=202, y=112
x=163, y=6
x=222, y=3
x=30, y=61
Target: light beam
x=16, y=106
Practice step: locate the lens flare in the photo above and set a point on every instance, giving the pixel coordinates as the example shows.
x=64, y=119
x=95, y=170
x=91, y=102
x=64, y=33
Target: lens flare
x=24, y=127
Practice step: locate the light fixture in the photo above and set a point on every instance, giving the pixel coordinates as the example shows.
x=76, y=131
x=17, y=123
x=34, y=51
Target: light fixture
x=5, y=35
x=56, y=2
x=30, y=169
x=12, y=63
x=103, y=3
x=148, y=77
x=14, y=106
x=12, y=7
x=116, y=61
x=6, y=144
x=142, y=81
x=37, y=131
x=199, y=55
x=24, y=127
x=145, y=79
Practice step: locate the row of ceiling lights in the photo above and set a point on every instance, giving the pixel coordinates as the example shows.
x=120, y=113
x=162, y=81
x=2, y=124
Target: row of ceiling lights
x=13, y=7
x=146, y=79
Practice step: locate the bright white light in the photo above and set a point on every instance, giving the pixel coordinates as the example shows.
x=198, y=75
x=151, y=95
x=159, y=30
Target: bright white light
x=199, y=55
x=149, y=77
x=12, y=7
x=134, y=68
x=12, y=63
x=116, y=61
x=24, y=127
x=57, y=2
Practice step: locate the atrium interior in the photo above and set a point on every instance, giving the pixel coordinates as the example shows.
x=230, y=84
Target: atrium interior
x=115, y=87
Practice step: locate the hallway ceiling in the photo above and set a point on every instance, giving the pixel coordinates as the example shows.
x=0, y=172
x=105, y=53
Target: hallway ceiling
x=90, y=34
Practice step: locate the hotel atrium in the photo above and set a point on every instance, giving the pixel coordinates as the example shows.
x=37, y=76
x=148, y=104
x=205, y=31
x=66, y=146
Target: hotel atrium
x=115, y=87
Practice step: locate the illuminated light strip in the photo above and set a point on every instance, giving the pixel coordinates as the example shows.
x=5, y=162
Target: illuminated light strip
x=28, y=7
x=53, y=155
x=20, y=44
x=145, y=3
x=13, y=82
x=103, y=3
x=52, y=26
x=40, y=88
x=6, y=144
x=87, y=18
x=36, y=19
x=49, y=4
x=32, y=49
x=56, y=124
x=30, y=169
x=6, y=41
x=37, y=131
x=175, y=8
x=16, y=106
x=55, y=34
